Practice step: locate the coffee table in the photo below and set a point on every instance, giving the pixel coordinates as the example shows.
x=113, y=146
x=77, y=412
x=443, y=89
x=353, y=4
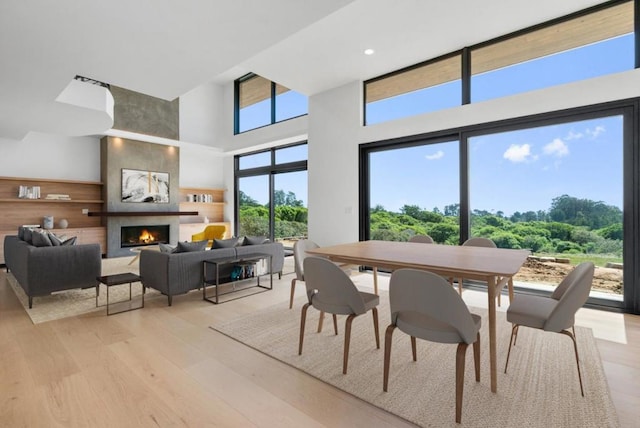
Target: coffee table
x=119, y=279
x=245, y=260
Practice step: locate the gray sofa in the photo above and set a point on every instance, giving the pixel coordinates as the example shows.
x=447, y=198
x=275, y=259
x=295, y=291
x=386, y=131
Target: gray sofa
x=43, y=270
x=179, y=273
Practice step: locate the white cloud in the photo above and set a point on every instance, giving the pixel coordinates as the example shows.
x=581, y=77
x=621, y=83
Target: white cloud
x=573, y=135
x=517, y=154
x=437, y=155
x=594, y=133
x=556, y=148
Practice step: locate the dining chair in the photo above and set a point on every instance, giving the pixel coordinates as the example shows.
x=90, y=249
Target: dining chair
x=480, y=242
x=423, y=239
x=300, y=248
x=553, y=313
x=330, y=290
x=424, y=306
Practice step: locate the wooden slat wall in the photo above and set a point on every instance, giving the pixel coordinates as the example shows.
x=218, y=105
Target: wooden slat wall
x=257, y=89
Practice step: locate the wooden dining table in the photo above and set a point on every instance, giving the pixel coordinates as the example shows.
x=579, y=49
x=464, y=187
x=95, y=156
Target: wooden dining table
x=495, y=266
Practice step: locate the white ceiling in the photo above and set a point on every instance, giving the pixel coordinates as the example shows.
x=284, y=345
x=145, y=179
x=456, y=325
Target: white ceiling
x=166, y=48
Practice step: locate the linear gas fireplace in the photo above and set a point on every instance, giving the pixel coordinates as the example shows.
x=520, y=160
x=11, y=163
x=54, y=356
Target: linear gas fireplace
x=136, y=236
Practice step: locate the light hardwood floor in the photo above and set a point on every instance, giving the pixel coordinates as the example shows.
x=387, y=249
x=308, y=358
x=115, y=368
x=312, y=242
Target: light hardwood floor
x=162, y=366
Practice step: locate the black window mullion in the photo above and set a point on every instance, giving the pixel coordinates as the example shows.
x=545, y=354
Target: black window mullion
x=273, y=102
x=466, y=75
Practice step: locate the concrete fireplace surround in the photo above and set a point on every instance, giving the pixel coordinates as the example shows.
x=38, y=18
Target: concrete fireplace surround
x=118, y=153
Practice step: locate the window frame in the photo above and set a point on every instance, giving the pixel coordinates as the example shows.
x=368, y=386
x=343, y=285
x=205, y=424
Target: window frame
x=272, y=100
x=269, y=170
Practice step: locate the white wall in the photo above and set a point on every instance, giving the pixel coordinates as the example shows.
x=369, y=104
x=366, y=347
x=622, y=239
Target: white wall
x=335, y=118
x=201, y=114
x=51, y=156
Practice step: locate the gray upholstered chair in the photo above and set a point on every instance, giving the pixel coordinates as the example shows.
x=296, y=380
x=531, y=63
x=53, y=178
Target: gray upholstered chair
x=329, y=289
x=299, y=254
x=423, y=239
x=554, y=313
x=424, y=306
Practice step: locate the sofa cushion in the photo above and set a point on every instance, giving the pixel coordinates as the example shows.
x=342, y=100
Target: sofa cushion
x=40, y=238
x=187, y=247
x=225, y=243
x=255, y=240
x=21, y=232
x=167, y=248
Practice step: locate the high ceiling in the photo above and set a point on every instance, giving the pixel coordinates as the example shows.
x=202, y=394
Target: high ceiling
x=167, y=48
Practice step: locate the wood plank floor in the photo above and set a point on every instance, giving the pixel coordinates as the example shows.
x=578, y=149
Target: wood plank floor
x=162, y=366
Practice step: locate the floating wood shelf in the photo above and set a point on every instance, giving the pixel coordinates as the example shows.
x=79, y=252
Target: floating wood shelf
x=138, y=213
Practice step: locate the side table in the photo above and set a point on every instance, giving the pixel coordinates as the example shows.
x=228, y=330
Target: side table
x=119, y=279
x=247, y=260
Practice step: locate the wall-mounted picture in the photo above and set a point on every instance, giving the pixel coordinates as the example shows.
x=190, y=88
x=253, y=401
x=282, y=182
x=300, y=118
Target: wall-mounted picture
x=145, y=186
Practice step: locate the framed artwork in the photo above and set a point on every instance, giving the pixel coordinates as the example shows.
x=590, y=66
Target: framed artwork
x=145, y=186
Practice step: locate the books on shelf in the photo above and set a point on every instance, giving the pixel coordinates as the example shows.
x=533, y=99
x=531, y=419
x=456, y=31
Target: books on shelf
x=29, y=192
x=58, y=197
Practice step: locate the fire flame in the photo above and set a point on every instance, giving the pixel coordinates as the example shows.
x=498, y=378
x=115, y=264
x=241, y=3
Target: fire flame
x=146, y=237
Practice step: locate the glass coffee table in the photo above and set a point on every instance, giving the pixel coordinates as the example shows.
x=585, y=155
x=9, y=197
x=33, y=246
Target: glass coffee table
x=119, y=279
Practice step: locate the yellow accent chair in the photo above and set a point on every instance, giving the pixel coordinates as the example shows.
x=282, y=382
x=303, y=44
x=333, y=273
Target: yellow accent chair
x=211, y=232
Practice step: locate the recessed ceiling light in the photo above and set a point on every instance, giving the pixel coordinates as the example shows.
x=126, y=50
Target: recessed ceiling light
x=369, y=51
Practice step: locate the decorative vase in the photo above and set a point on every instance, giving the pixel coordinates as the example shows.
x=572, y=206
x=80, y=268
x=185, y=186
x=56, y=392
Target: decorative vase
x=63, y=223
x=47, y=222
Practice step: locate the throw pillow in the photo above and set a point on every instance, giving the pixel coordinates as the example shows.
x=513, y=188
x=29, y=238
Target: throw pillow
x=56, y=240
x=70, y=241
x=27, y=234
x=21, y=232
x=40, y=239
x=167, y=248
x=224, y=243
x=255, y=240
x=187, y=247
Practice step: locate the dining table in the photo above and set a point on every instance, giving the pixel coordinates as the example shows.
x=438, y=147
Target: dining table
x=495, y=266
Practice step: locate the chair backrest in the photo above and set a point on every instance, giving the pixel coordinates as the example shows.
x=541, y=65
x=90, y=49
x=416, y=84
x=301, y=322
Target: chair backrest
x=479, y=242
x=571, y=294
x=299, y=254
x=329, y=288
x=423, y=239
x=427, y=293
x=214, y=231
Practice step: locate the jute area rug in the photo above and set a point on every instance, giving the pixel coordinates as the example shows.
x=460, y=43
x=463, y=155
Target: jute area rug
x=75, y=302
x=541, y=388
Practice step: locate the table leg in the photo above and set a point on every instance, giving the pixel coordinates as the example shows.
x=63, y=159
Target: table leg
x=375, y=280
x=491, y=289
x=511, y=290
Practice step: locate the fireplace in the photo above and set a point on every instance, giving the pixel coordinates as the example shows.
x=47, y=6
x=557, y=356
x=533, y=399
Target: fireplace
x=136, y=236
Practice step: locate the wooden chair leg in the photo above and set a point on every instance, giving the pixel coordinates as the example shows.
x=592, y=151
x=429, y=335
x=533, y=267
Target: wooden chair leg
x=514, y=329
x=303, y=319
x=460, y=280
x=414, y=350
x=460, y=357
x=335, y=324
x=476, y=356
x=293, y=290
x=320, y=321
x=387, y=356
x=347, y=341
x=374, y=313
x=575, y=349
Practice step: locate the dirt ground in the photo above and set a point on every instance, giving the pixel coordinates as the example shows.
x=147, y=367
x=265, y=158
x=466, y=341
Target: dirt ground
x=604, y=279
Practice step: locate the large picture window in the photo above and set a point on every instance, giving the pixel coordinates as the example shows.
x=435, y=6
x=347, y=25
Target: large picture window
x=559, y=185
